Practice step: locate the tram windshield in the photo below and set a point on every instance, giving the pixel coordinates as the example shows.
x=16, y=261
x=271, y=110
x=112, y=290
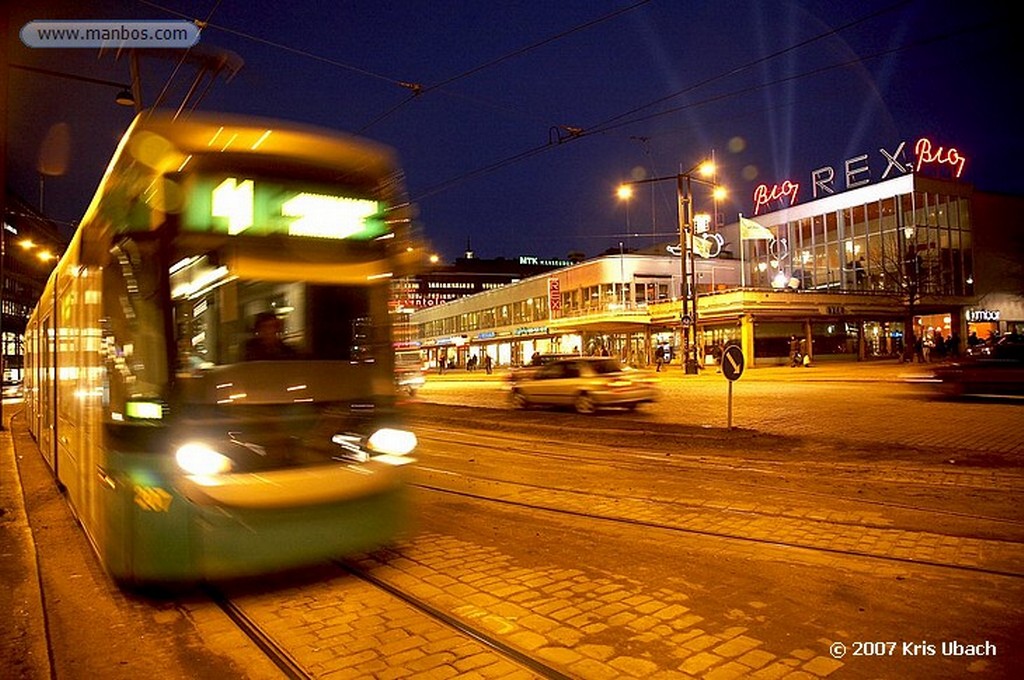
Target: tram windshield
x=221, y=318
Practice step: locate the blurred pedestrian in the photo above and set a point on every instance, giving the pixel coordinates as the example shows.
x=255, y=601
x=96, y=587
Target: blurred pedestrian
x=488, y=364
x=794, y=351
x=953, y=345
x=659, y=357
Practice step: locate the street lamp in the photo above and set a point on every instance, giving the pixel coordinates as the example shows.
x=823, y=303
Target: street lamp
x=705, y=171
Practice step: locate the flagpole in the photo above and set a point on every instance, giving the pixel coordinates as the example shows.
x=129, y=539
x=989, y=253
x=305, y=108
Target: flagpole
x=743, y=267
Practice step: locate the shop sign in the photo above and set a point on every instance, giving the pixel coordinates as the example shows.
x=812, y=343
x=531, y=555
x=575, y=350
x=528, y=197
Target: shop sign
x=536, y=330
x=554, y=295
x=457, y=340
x=982, y=315
x=486, y=335
x=857, y=172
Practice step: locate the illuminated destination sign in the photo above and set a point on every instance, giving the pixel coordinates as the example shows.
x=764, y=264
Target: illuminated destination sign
x=857, y=171
x=258, y=207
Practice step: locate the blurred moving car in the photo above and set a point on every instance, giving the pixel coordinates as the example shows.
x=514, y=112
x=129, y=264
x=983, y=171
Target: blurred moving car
x=538, y=360
x=409, y=375
x=584, y=383
x=999, y=370
x=12, y=389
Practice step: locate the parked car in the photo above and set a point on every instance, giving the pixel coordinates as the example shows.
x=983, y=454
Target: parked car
x=586, y=384
x=997, y=371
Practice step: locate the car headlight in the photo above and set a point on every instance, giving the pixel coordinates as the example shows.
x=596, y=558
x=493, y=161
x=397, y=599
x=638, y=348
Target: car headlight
x=392, y=441
x=199, y=459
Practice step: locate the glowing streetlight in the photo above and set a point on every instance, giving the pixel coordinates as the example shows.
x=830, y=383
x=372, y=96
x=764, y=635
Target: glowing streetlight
x=702, y=173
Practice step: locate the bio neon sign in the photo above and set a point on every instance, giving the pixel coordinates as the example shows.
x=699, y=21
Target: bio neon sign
x=940, y=156
x=857, y=172
x=763, y=195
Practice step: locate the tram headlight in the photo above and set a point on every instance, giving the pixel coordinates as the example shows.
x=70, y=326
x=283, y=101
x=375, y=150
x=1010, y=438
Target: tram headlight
x=199, y=459
x=391, y=441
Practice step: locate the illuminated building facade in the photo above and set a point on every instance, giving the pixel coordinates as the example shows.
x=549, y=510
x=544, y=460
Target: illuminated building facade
x=468, y=275
x=856, y=274
x=603, y=304
x=23, y=272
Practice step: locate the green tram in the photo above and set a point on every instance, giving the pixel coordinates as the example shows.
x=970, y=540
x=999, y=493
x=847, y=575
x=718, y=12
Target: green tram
x=186, y=451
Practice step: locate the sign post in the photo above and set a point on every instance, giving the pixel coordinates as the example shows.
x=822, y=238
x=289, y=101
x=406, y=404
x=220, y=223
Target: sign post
x=732, y=369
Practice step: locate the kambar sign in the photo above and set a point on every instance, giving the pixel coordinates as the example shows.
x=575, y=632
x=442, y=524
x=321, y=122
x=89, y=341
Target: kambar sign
x=857, y=173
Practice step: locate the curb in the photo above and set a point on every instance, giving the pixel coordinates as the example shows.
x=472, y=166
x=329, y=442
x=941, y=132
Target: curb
x=23, y=648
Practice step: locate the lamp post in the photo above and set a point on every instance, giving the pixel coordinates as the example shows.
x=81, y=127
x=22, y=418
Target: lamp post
x=688, y=281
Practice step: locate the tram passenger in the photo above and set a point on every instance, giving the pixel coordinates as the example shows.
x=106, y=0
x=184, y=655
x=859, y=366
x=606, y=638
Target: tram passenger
x=266, y=343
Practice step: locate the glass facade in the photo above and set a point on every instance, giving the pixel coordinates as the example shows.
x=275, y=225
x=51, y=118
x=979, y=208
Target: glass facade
x=916, y=243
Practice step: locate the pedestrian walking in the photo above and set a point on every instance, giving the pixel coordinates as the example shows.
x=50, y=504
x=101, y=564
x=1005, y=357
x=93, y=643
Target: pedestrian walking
x=794, y=351
x=659, y=357
x=488, y=364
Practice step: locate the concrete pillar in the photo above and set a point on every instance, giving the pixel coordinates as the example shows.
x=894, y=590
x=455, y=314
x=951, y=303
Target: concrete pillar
x=809, y=334
x=747, y=338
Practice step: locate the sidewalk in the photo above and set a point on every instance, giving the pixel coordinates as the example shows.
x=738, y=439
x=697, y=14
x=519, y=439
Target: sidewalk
x=23, y=649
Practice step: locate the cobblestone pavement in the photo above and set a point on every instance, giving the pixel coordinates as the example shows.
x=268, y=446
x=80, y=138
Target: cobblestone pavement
x=875, y=402
x=607, y=623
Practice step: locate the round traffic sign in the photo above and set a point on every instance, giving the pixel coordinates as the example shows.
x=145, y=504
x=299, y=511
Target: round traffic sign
x=732, y=362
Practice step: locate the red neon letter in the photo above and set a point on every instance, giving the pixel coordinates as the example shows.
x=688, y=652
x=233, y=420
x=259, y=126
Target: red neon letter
x=764, y=196
x=952, y=157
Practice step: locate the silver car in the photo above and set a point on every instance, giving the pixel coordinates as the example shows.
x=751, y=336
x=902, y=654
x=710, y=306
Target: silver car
x=586, y=384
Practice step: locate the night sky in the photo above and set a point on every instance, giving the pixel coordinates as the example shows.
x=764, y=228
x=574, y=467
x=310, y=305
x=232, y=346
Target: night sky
x=531, y=113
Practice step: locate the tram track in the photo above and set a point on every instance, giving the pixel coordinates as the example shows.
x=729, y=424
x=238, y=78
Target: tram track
x=1015, y=559
x=271, y=648
x=753, y=500
x=639, y=460
x=295, y=659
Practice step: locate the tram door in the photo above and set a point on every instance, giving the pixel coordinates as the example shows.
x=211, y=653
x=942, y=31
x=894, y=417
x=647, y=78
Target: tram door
x=46, y=377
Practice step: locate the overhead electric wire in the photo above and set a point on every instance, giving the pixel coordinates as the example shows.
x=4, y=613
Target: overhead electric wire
x=177, y=67
x=760, y=60
x=515, y=53
x=416, y=88
x=607, y=126
x=281, y=46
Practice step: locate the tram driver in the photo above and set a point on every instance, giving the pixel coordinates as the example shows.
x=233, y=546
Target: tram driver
x=266, y=343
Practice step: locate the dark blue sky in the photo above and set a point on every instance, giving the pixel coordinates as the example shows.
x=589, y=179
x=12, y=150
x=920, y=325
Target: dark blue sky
x=774, y=89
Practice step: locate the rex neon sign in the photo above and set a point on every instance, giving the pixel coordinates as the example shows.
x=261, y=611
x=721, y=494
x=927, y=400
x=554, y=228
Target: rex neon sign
x=857, y=172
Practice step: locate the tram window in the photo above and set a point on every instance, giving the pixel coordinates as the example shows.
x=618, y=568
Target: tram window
x=133, y=330
x=322, y=322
